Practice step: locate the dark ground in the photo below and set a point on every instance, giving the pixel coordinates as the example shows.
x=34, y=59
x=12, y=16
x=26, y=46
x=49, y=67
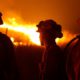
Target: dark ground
x=28, y=58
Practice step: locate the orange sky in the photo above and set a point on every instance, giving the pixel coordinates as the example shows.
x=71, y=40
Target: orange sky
x=65, y=12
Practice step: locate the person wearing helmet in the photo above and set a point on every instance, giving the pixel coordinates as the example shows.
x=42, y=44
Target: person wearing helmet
x=51, y=66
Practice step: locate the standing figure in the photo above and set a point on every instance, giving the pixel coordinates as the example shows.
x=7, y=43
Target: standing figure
x=72, y=51
x=8, y=70
x=1, y=21
x=52, y=64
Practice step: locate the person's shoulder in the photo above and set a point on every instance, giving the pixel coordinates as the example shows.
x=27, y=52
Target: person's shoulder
x=56, y=47
x=1, y=33
x=58, y=50
x=4, y=36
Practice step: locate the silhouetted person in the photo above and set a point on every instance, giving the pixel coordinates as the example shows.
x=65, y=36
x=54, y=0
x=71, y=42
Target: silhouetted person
x=51, y=67
x=7, y=58
x=1, y=22
x=72, y=51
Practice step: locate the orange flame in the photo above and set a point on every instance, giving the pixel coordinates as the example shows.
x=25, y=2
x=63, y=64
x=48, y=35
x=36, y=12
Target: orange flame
x=30, y=31
x=27, y=29
x=67, y=36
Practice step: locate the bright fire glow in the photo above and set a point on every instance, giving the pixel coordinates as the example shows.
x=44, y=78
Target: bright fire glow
x=30, y=31
x=67, y=36
x=12, y=39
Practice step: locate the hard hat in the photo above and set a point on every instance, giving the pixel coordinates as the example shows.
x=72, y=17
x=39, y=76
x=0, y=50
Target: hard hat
x=48, y=25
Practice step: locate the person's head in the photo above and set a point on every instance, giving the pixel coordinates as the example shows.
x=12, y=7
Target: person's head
x=49, y=30
x=1, y=21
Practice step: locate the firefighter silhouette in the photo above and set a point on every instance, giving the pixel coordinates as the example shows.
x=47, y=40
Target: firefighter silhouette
x=1, y=22
x=7, y=59
x=72, y=51
x=51, y=66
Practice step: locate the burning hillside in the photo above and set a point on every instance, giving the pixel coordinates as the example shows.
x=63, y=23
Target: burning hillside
x=25, y=34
